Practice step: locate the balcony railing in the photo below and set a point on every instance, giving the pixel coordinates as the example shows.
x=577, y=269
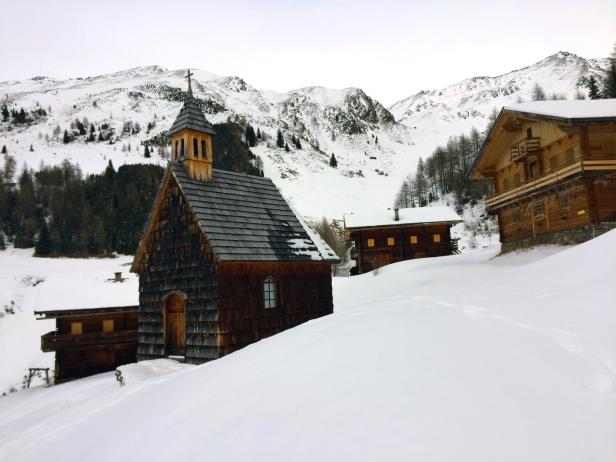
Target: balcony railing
x=52, y=341
x=595, y=164
x=524, y=148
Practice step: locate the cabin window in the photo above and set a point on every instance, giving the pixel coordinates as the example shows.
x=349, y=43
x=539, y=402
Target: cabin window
x=76, y=328
x=564, y=201
x=176, y=149
x=390, y=241
x=370, y=242
x=553, y=162
x=269, y=292
x=413, y=239
x=529, y=132
x=195, y=148
x=539, y=210
x=182, y=147
x=533, y=169
x=517, y=215
x=609, y=148
x=203, y=151
x=107, y=325
x=436, y=238
x=569, y=156
x=516, y=180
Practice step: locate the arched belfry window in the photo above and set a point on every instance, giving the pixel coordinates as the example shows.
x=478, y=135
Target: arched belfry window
x=195, y=148
x=203, y=151
x=182, y=150
x=269, y=292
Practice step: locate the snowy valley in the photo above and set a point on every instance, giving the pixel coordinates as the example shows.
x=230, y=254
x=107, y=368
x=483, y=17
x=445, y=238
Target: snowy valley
x=435, y=359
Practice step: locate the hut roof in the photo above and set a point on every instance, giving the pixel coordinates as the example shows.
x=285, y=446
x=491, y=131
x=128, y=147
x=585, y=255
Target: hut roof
x=567, y=111
x=410, y=216
x=191, y=117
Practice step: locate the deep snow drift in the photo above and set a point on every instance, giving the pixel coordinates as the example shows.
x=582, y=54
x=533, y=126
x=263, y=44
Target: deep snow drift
x=464, y=358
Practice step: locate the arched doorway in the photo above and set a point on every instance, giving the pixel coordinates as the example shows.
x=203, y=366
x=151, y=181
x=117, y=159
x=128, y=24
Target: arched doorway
x=175, y=324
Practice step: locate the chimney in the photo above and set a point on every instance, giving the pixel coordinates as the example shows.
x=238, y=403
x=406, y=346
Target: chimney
x=396, y=214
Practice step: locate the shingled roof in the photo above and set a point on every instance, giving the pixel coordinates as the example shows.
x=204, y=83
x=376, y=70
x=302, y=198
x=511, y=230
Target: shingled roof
x=191, y=117
x=245, y=218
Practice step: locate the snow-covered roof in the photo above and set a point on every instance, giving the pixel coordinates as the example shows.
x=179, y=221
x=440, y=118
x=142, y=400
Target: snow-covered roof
x=386, y=217
x=568, y=109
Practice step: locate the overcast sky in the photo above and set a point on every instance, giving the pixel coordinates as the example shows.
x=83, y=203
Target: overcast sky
x=391, y=49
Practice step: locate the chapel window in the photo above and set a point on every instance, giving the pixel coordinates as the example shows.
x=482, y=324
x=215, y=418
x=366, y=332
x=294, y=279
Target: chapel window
x=269, y=292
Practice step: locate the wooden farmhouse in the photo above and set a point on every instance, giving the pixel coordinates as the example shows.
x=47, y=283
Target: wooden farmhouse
x=224, y=261
x=90, y=340
x=553, y=165
x=391, y=236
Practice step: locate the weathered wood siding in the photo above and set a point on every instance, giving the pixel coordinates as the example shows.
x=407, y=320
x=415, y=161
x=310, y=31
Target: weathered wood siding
x=179, y=260
x=304, y=292
x=382, y=253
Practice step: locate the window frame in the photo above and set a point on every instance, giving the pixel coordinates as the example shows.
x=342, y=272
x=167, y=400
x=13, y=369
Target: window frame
x=414, y=239
x=106, y=323
x=436, y=238
x=76, y=327
x=370, y=242
x=391, y=241
x=270, y=293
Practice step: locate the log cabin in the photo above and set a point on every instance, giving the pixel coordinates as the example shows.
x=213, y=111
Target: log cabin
x=224, y=260
x=389, y=236
x=89, y=341
x=553, y=165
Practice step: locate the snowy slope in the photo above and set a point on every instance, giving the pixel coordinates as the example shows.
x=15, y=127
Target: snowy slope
x=437, y=114
x=456, y=358
x=346, y=122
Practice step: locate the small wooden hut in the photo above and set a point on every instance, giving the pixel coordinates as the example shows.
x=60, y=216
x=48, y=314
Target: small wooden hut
x=553, y=165
x=90, y=340
x=388, y=236
x=224, y=261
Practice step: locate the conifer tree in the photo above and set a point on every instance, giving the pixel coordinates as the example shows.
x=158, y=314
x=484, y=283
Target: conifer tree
x=286, y=147
x=332, y=161
x=4, y=151
x=146, y=152
x=44, y=245
x=538, y=94
x=298, y=144
x=609, y=85
x=31, y=148
x=2, y=241
x=593, y=88
x=66, y=138
x=5, y=113
x=259, y=136
x=279, y=139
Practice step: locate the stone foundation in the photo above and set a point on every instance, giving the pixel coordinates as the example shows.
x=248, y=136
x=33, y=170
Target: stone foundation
x=567, y=237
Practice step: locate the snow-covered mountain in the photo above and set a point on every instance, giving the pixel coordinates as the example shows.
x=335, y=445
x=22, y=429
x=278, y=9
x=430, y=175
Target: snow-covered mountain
x=437, y=114
x=374, y=152
x=368, y=144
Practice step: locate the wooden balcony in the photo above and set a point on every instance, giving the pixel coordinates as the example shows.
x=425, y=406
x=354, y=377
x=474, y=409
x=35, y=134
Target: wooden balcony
x=52, y=341
x=524, y=148
x=548, y=178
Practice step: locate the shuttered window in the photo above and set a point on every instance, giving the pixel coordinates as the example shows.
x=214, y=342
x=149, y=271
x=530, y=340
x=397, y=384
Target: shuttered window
x=107, y=325
x=76, y=328
x=269, y=292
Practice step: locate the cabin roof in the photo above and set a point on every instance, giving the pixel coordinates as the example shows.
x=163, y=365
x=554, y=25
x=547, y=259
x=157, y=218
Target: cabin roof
x=566, y=110
x=191, y=117
x=560, y=111
x=67, y=313
x=411, y=216
x=245, y=218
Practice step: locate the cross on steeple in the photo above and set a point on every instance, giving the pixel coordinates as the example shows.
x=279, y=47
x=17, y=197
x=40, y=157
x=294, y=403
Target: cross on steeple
x=188, y=76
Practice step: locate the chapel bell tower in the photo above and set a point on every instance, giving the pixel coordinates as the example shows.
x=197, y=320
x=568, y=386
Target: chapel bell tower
x=191, y=138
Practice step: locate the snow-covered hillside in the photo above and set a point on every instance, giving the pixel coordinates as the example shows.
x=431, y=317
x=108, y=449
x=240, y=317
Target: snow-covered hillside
x=374, y=153
x=464, y=358
x=368, y=144
x=435, y=115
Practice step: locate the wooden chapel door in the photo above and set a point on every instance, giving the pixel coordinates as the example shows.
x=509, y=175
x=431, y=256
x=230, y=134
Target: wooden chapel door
x=175, y=324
